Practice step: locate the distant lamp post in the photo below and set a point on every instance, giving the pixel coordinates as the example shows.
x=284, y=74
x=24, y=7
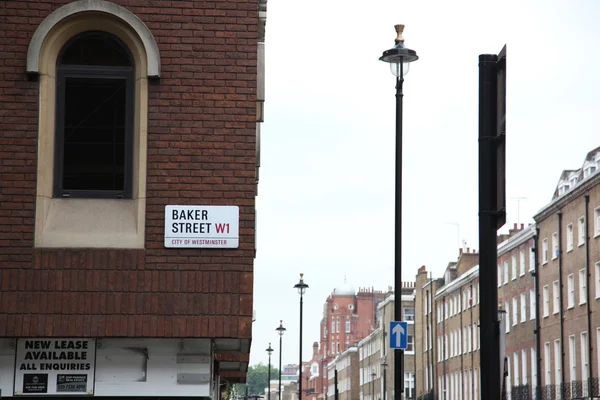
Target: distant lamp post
x=301, y=287
x=373, y=375
x=399, y=57
x=269, y=352
x=384, y=365
x=280, y=330
x=503, y=363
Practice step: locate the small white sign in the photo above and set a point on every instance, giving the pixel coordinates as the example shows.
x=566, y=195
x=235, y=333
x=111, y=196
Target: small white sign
x=55, y=367
x=202, y=226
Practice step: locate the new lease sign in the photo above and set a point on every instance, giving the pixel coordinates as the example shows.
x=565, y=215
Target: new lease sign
x=202, y=226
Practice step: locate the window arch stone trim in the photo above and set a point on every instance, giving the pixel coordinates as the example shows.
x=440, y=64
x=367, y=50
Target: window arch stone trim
x=97, y=6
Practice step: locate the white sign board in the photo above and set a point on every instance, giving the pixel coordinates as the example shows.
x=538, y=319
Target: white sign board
x=202, y=226
x=55, y=367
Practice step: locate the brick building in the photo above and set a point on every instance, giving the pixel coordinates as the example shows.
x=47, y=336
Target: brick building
x=516, y=296
x=128, y=145
x=568, y=268
x=348, y=317
x=347, y=366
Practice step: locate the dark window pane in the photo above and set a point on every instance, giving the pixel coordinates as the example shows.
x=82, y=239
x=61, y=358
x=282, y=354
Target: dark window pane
x=94, y=134
x=95, y=49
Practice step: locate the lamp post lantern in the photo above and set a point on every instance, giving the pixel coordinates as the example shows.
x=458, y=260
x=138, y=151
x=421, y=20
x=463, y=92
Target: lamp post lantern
x=280, y=330
x=301, y=287
x=373, y=375
x=399, y=57
x=269, y=352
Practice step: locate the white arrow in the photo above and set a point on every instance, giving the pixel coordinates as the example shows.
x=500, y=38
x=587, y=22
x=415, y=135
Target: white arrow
x=398, y=331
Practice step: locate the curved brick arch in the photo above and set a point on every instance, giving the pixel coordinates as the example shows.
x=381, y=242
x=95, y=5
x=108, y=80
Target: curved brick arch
x=83, y=6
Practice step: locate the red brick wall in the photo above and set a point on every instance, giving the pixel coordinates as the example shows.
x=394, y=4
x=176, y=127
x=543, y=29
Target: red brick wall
x=201, y=150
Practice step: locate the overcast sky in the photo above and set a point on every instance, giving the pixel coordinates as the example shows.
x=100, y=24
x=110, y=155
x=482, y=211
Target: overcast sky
x=326, y=193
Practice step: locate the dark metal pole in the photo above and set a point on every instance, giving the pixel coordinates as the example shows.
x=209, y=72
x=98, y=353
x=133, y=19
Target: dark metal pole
x=336, y=393
x=279, y=387
x=384, y=382
x=398, y=353
x=269, y=377
x=300, y=365
x=538, y=343
x=587, y=286
x=561, y=308
x=488, y=279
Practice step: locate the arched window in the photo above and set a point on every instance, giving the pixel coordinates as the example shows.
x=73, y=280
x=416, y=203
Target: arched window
x=94, y=118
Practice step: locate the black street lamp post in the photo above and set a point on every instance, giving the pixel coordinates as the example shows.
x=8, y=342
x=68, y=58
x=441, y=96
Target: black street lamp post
x=399, y=57
x=384, y=364
x=373, y=375
x=280, y=330
x=269, y=352
x=301, y=286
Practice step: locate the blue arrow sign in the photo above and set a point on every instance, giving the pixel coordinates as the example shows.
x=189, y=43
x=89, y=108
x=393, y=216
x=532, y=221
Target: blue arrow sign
x=398, y=335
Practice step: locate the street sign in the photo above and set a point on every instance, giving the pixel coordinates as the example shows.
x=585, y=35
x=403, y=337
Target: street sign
x=398, y=335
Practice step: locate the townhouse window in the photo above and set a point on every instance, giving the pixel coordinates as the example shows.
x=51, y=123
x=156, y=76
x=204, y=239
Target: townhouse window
x=597, y=279
x=347, y=325
x=515, y=310
x=523, y=307
x=514, y=266
x=555, y=245
x=532, y=259
x=597, y=222
x=583, y=346
x=556, y=299
x=469, y=339
x=470, y=296
x=332, y=325
x=533, y=367
x=557, y=365
x=409, y=314
x=476, y=327
x=582, y=287
x=508, y=377
x=524, y=365
x=569, y=237
x=505, y=272
x=94, y=118
x=459, y=340
x=499, y=275
x=409, y=385
x=410, y=343
x=547, y=364
x=571, y=290
x=532, y=304
x=516, y=368
x=477, y=293
x=572, y=359
x=507, y=308
x=522, y=262
x=581, y=226
x=546, y=299
x=545, y=251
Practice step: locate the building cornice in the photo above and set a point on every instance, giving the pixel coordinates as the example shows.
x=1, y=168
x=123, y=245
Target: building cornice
x=516, y=240
x=566, y=198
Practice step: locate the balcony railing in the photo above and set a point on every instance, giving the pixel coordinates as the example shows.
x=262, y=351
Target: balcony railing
x=574, y=390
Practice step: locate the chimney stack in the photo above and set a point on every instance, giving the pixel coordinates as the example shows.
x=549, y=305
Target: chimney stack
x=460, y=251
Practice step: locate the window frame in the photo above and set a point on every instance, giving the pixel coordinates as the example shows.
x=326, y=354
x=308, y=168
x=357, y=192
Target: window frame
x=570, y=291
x=582, y=287
x=555, y=297
x=545, y=251
x=581, y=233
x=596, y=222
x=546, y=299
x=555, y=246
x=522, y=263
x=569, y=237
x=65, y=71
